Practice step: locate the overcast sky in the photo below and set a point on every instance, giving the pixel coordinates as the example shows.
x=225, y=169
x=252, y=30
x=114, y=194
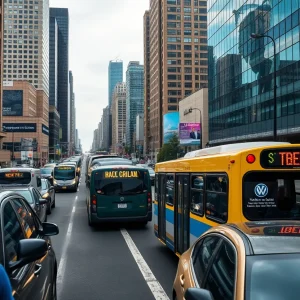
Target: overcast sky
x=100, y=31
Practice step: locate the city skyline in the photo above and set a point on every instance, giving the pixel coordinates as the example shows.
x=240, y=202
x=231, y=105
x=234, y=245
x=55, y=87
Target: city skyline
x=91, y=72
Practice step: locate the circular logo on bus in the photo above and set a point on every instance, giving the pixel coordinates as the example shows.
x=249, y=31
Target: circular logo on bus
x=261, y=190
x=122, y=199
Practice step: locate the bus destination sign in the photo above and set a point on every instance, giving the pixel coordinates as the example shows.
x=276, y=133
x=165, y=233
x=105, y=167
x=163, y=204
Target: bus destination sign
x=121, y=174
x=280, y=159
x=14, y=175
x=64, y=168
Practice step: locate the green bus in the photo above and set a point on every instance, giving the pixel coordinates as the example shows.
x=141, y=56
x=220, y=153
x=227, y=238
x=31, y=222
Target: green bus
x=119, y=193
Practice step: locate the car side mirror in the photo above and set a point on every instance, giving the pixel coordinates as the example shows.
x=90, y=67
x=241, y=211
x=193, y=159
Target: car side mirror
x=197, y=294
x=50, y=229
x=42, y=201
x=28, y=251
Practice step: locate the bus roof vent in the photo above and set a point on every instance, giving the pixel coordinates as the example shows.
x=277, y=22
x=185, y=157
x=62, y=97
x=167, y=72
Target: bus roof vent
x=231, y=148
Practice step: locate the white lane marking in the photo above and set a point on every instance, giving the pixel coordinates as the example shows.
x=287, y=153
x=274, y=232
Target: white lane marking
x=155, y=287
x=62, y=264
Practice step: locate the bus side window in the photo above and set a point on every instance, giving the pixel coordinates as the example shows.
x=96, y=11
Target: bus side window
x=169, y=189
x=197, y=195
x=217, y=198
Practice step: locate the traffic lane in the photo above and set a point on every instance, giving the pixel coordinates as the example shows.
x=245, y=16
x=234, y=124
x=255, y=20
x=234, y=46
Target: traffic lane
x=99, y=264
x=61, y=215
x=161, y=260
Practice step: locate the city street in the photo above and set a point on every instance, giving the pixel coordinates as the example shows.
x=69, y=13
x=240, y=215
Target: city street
x=98, y=263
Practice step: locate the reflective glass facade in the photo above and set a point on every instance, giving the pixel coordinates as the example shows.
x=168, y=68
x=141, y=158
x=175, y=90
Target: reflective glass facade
x=241, y=70
x=134, y=98
x=53, y=63
x=115, y=75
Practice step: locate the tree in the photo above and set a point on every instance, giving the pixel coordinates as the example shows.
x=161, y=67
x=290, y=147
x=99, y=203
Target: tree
x=169, y=150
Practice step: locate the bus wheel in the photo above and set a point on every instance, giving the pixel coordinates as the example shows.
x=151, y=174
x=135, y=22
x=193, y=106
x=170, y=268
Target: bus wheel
x=91, y=224
x=144, y=223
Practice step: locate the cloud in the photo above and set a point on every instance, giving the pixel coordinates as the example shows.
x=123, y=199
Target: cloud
x=100, y=31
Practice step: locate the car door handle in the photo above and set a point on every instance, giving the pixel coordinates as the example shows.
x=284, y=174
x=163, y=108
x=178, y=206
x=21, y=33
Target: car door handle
x=181, y=279
x=38, y=268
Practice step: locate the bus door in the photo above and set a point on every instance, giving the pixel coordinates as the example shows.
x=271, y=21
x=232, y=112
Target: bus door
x=161, y=198
x=182, y=214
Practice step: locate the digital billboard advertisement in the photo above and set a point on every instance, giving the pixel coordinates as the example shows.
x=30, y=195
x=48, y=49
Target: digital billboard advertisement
x=12, y=103
x=171, y=121
x=189, y=134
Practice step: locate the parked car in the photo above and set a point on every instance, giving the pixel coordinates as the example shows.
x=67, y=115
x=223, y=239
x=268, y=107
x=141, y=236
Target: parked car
x=27, y=253
x=33, y=198
x=48, y=193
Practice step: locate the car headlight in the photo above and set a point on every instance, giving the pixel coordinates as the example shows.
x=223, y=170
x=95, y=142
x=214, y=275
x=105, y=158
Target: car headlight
x=54, y=181
x=45, y=196
x=74, y=181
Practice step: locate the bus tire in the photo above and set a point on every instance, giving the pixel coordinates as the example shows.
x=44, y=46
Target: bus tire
x=91, y=224
x=144, y=223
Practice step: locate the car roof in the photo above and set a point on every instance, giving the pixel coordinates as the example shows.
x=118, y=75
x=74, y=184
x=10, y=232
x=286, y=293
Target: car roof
x=270, y=237
x=130, y=167
x=16, y=187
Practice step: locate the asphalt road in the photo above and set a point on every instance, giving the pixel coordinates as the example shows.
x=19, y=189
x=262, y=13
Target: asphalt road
x=96, y=264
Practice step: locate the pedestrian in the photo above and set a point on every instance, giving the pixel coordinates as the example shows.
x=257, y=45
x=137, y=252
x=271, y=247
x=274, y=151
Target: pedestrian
x=5, y=287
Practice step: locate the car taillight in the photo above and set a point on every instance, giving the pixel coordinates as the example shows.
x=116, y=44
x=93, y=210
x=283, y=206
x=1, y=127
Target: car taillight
x=149, y=199
x=94, y=204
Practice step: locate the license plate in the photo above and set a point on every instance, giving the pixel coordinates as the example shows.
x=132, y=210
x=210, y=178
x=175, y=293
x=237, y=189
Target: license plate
x=64, y=187
x=122, y=205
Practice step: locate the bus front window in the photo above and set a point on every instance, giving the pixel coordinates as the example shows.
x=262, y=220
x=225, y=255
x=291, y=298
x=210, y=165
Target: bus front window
x=64, y=174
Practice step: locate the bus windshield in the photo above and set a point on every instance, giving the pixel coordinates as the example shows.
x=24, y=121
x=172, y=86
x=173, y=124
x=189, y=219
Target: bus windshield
x=64, y=173
x=18, y=177
x=46, y=171
x=125, y=182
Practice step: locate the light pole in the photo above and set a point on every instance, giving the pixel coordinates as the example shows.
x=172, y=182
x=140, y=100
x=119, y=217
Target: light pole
x=200, y=140
x=259, y=36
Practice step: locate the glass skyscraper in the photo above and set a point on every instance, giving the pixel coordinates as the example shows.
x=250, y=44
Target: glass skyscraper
x=241, y=69
x=61, y=16
x=115, y=75
x=134, y=98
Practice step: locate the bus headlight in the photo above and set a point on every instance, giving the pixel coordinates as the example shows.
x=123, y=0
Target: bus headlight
x=54, y=181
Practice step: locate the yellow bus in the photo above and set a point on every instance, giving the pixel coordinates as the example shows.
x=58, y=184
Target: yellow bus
x=242, y=182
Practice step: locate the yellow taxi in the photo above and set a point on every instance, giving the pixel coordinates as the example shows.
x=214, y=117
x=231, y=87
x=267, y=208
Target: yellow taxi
x=251, y=261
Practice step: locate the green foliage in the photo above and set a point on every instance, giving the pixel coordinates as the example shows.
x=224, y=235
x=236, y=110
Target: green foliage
x=169, y=150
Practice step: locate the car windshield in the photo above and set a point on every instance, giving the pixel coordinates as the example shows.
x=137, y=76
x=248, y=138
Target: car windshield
x=27, y=195
x=46, y=171
x=151, y=171
x=271, y=277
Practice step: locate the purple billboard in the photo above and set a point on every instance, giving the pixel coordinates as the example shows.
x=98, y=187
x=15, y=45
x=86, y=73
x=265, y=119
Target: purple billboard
x=189, y=134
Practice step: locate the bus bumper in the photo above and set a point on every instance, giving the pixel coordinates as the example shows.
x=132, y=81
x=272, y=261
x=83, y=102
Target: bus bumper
x=65, y=187
x=139, y=219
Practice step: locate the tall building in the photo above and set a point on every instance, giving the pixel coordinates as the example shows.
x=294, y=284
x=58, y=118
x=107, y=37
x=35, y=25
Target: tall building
x=241, y=94
x=115, y=75
x=178, y=58
x=118, y=113
x=72, y=113
x=134, y=98
x=147, y=133
x=26, y=50
x=61, y=16
x=54, y=125
x=106, y=128
x=4, y=154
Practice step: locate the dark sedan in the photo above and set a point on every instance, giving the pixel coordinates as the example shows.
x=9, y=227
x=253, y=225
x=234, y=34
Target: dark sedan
x=26, y=252
x=34, y=199
x=47, y=173
x=48, y=193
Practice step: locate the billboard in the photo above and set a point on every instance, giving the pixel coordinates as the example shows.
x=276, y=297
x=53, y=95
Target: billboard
x=12, y=103
x=189, y=134
x=171, y=121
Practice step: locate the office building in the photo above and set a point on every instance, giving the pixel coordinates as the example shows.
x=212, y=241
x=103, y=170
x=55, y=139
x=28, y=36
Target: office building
x=118, y=113
x=4, y=154
x=115, y=75
x=61, y=15
x=25, y=120
x=241, y=68
x=106, y=128
x=53, y=61
x=134, y=98
x=54, y=129
x=178, y=58
x=26, y=45
x=72, y=113
x=139, y=134
x=147, y=134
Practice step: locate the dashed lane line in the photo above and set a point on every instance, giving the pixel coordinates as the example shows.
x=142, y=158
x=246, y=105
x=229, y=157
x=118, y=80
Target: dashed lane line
x=154, y=285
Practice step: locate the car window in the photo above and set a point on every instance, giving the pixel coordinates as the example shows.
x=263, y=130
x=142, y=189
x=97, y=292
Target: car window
x=26, y=219
x=202, y=255
x=44, y=185
x=12, y=232
x=38, y=181
x=221, y=276
x=36, y=196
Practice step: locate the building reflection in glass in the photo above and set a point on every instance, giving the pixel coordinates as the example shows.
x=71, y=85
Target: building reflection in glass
x=241, y=69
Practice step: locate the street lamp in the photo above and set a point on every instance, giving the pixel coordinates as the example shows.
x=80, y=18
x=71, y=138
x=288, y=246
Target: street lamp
x=259, y=36
x=200, y=140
